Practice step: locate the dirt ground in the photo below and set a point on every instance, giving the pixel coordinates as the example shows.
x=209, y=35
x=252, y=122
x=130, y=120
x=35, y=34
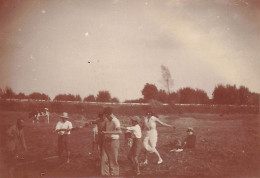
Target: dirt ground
x=227, y=145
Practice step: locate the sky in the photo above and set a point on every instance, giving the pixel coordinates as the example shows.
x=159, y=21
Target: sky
x=85, y=46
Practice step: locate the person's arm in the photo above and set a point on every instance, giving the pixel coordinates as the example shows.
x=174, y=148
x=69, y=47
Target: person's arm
x=132, y=128
x=163, y=123
x=116, y=131
x=57, y=127
x=184, y=142
x=70, y=126
x=10, y=132
x=91, y=122
x=127, y=127
x=59, y=130
x=122, y=127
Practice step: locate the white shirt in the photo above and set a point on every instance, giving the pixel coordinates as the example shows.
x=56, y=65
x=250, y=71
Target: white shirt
x=63, y=125
x=136, y=130
x=150, y=124
x=112, y=126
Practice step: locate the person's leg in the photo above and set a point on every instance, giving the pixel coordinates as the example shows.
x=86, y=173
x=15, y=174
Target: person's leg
x=153, y=142
x=104, y=160
x=60, y=146
x=147, y=148
x=112, y=153
x=136, y=152
x=66, y=147
x=130, y=154
x=159, y=156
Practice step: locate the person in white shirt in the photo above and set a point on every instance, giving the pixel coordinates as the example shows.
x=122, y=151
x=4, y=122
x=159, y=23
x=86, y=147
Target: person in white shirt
x=63, y=129
x=137, y=143
x=47, y=114
x=151, y=136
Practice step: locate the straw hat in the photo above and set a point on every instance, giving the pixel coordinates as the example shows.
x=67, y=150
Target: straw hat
x=64, y=115
x=136, y=118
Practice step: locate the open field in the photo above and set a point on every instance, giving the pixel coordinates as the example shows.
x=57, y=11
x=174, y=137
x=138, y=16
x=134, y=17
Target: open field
x=227, y=145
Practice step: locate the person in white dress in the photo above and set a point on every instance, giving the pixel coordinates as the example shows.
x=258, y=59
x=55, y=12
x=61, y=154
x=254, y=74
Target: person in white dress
x=151, y=135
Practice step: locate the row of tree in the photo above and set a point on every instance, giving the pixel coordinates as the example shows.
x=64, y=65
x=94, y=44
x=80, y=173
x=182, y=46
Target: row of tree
x=8, y=93
x=228, y=94
x=102, y=96
x=184, y=95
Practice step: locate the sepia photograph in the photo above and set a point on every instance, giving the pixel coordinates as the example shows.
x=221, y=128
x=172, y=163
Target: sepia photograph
x=129, y=88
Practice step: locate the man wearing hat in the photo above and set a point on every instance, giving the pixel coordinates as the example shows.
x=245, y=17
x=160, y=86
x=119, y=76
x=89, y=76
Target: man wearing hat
x=63, y=128
x=137, y=143
x=109, y=163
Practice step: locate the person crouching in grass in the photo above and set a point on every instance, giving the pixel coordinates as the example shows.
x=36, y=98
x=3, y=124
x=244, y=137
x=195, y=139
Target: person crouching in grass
x=63, y=129
x=136, y=145
x=188, y=143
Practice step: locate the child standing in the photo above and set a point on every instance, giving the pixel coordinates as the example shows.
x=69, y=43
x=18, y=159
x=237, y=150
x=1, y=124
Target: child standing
x=136, y=145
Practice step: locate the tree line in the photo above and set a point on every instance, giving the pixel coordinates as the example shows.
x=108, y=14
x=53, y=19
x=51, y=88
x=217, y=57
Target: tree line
x=102, y=96
x=8, y=93
x=222, y=94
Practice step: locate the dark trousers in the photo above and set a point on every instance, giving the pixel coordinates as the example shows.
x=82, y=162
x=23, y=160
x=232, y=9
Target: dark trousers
x=134, y=154
x=63, y=142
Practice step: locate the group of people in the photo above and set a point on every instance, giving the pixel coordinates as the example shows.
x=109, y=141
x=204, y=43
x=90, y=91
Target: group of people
x=108, y=130
x=107, y=139
x=36, y=115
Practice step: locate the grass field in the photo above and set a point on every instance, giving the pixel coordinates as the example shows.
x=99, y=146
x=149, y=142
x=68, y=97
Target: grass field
x=227, y=145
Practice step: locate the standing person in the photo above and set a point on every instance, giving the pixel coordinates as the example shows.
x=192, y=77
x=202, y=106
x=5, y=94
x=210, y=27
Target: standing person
x=38, y=117
x=151, y=135
x=16, y=145
x=63, y=128
x=47, y=114
x=109, y=163
x=136, y=147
